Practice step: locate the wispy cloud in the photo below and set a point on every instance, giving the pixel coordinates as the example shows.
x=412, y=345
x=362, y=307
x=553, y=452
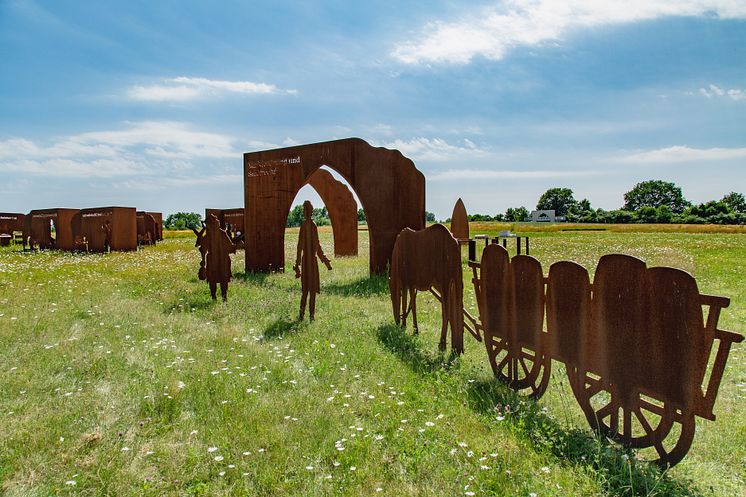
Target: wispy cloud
x=493, y=31
x=683, y=154
x=714, y=91
x=184, y=88
x=145, y=148
x=436, y=149
x=488, y=174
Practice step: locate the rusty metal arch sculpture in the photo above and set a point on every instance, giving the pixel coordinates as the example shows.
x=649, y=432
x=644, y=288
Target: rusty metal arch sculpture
x=460, y=222
x=389, y=186
x=342, y=209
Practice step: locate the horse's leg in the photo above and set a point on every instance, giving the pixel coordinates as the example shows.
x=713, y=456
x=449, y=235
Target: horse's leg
x=403, y=308
x=413, y=298
x=444, y=321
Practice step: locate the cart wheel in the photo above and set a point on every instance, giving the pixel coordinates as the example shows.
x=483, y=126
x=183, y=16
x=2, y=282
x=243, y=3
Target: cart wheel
x=646, y=423
x=524, y=369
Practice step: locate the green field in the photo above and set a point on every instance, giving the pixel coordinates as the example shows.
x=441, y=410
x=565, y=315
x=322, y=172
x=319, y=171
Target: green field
x=119, y=376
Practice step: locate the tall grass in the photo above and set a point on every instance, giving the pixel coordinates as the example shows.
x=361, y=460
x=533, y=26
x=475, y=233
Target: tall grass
x=120, y=376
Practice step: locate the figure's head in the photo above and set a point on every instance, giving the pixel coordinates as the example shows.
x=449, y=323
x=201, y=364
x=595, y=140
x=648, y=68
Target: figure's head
x=307, y=210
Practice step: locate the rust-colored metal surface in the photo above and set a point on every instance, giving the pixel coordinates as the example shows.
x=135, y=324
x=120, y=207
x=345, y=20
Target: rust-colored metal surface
x=100, y=229
x=215, y=246
x=342, y=209
x=10, y=222
x=511, y=296
x=306, y=266
x=460, y=222
x=49, y=228
x=231, y=220
x=429, y=260
x=147, y=229
x=634, y=342
x=158, y=217
x=390, y=188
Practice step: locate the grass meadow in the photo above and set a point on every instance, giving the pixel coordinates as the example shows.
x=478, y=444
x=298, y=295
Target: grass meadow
x=119, y=376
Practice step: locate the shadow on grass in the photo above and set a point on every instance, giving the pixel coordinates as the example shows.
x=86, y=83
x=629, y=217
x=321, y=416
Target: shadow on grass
x=251, y=277
x=363, y=287
x=615, y=468
x=406, y=348
x=280, y=328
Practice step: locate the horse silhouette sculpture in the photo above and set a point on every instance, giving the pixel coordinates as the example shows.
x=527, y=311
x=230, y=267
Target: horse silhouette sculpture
x=429, y=259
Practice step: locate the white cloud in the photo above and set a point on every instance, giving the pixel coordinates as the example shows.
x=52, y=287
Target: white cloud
x=713, y=91
x=184, y=88
x=493, y=31
x=146, y=148
x=435, y=149
x=488, y=174
x=684, y=154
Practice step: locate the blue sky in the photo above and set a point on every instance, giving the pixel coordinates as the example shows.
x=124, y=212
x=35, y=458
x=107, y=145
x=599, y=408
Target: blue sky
x=151, y=104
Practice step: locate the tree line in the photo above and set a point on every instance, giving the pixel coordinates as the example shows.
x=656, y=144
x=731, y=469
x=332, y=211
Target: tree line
x=653, y=201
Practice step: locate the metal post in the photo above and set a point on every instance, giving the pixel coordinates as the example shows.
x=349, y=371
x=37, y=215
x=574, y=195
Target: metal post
x=472, y=250
x=518, y=244
x=527, y=246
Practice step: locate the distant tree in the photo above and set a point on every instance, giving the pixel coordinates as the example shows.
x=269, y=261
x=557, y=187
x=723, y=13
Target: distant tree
x=295, y=218
x=516, y=215
x=429, y=217
x=499, y=217
x=360, y=216
x=557, y=199
x=183, y=221
x=663, y=214
x=655, y=193
x=647, y=214
x=620, y=216
x=480, y=217
x=735, y=201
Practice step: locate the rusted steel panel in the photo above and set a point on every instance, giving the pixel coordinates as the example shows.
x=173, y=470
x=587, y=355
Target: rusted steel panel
x=460, y=222
x=10, y=222
x=158, y=217
x=425, y=260
x=342, y=211
x=99, y=229
x=38, y=228
x=390, y=188
x=568, y=302
x=147, y=228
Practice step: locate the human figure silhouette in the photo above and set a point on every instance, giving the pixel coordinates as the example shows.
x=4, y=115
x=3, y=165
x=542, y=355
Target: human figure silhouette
x=217, y=246
x=306, y=267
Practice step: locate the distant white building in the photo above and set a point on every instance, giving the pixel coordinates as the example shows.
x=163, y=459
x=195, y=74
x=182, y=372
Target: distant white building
x=543, y=216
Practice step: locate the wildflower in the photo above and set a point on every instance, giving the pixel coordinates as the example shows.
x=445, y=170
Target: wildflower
x=218, y=458
x=212, y=449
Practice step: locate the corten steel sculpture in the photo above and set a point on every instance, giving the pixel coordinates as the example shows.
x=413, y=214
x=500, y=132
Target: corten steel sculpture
x=231, y=220
x=634, y=342
x=510, y=297
x=306, y=267
x=147, y=229
x=460, y=222
x=158, y=217
x=429, y=259
x=215, y=246
x=49, y=228
x=101, y=229
x=342, y=209
x=10, y=222
x=390, y=188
